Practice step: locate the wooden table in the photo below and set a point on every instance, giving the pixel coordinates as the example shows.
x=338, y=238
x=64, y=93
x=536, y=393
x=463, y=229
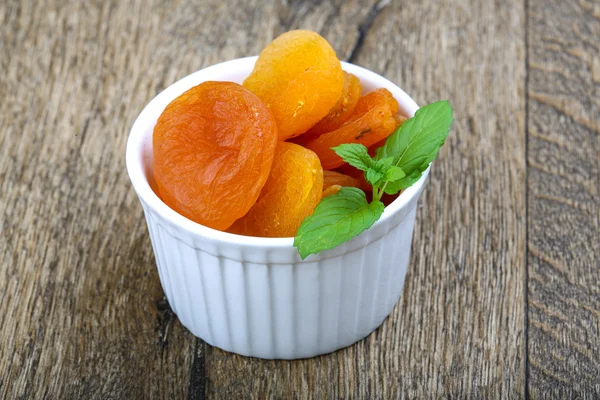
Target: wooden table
x=503, y=294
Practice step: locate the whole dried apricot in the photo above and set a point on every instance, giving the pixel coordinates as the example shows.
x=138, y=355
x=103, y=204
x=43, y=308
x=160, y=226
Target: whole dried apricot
x=372, y=121
x=213, y=150
x=293, y=190
x=342, y=110
x=373, y=99
x=299, y=78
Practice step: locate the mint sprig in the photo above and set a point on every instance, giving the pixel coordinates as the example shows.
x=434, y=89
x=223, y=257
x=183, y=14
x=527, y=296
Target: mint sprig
x=416, y=143
x=376, y=171
x=397, y=165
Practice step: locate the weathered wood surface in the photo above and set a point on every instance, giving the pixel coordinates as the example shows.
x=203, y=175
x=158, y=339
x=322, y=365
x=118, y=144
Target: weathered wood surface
x=564, y=199
x=502, y=299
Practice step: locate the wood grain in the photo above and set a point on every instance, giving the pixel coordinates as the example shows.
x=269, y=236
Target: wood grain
x=502, y=297
x=79, y=288
x=458, y=329
x=564, y=199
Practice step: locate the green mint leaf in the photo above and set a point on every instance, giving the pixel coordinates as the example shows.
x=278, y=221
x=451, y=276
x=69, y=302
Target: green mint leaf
x=374, y=176
x=402, y=183
x=384, y=164
x=336, y=219
x=383, y=171
x=394, y=173
x=416, y=143
x=356, y=155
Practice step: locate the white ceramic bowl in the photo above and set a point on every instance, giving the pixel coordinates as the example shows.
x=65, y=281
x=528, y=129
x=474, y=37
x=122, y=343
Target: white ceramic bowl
x=255, y=296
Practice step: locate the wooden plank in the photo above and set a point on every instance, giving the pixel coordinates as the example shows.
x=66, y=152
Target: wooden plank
x=564, y=199
x=459, y=328
x=78, y=316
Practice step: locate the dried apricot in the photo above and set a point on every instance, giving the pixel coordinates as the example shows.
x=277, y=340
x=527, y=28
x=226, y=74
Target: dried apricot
x=372, y=120
x=374, y=99
x=331, y=178
x=293, y=190
x=299, y=78
x=342, y=110
x=213, y=150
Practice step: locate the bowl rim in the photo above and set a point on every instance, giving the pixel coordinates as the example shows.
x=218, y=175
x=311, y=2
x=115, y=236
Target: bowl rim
x=150, y=113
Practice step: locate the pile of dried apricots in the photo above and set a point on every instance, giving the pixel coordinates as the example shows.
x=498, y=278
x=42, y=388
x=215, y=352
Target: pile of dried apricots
x=256, y=159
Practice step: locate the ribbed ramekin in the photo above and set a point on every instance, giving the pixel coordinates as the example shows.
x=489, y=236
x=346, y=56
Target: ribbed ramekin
x=255, y=296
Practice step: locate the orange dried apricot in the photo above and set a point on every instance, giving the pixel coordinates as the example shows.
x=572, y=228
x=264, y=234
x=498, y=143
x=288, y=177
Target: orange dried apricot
x=291, y=193
x=342, y=110
x=213, y=150
x=331, y=178
x=374, y=99
x=299, y=78
x=372, y=121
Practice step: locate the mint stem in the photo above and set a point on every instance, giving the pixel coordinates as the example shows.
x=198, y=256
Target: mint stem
x=379, y=191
